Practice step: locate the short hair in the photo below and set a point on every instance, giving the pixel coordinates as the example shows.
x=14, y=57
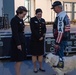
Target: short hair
x=38, y=10
x=20, y=10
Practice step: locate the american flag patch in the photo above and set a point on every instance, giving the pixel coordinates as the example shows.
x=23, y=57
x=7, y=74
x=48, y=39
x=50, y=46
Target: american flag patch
x=67, y=28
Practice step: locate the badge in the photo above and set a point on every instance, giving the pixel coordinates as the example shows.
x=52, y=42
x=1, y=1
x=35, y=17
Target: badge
x=20, y=22
x=36, y=22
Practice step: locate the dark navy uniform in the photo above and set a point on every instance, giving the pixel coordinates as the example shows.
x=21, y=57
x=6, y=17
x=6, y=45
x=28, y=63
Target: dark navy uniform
x=18, y=38
x=38, y=29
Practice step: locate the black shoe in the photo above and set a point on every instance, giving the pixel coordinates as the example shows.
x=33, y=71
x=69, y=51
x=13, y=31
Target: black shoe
x=42, y=70
x=35, y=70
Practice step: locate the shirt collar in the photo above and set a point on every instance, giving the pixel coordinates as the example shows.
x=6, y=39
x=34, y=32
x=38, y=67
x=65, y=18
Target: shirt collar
x=62, y=12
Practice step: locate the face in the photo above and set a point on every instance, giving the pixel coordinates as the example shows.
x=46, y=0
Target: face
x=22, y=15
x=39, y=15
x=56, y=9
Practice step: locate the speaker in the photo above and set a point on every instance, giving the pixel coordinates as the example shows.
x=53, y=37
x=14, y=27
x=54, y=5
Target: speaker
x=49, y=43
x=5, y=45
x=27, y=38
x=1, y=22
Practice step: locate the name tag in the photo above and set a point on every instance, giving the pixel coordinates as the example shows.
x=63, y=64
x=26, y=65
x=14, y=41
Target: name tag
x=20, y=22
x=36, y=21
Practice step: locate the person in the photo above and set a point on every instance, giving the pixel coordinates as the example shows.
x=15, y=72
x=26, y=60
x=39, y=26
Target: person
x=38, y=30
x=61, y=29
x=18, y=53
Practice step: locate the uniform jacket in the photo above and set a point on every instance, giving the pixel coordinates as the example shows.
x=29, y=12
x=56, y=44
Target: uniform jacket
x=38, y=28
x=61, y=27
x=17, y=26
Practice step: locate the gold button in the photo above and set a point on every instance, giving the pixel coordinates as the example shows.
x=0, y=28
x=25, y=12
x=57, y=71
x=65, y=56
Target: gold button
x=40, y=32
x=40, y=24
x=40, y=27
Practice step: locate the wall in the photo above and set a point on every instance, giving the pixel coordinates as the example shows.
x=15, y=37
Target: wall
x=45, y=5
x=8, y=8
x=1, y=6
x=33, y=7
x=18, y=3
x=49, y=14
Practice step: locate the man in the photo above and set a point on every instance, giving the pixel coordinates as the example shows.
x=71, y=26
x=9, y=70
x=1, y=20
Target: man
x=61, y=30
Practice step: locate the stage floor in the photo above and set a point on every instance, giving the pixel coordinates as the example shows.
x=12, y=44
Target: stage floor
x=7, y=68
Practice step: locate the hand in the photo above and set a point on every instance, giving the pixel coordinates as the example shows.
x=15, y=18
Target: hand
x=41, y=38
x=19, y=47
x=57, y=47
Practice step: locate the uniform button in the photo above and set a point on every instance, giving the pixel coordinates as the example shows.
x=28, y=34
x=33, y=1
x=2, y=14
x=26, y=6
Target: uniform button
x=40, y=32
x=40, y=24
x=40, y=27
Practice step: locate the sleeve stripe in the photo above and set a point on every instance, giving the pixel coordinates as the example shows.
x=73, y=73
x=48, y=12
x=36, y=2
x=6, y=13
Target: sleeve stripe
x=59, y=37
x=67, y=27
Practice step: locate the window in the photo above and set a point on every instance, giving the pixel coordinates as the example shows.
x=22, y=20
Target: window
x=70, y=7
x=28, y=6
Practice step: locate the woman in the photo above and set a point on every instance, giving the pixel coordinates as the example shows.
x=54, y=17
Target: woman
x=38, y=29
x=18, y=38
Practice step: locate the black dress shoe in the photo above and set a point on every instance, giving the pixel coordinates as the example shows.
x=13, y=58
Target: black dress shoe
x=42, y=70
x=35, y=70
